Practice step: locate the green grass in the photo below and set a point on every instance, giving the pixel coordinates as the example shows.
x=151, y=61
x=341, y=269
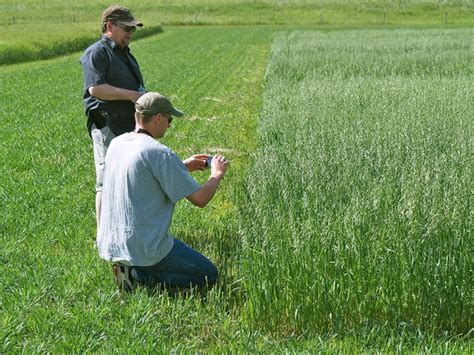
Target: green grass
x=358, y=208
x=341, y=225
x=34, y=41
x=32, y=30
x=58, y=296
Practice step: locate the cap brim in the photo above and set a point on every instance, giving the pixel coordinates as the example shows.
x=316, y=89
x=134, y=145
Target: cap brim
x=131, y=23
x=176, y=113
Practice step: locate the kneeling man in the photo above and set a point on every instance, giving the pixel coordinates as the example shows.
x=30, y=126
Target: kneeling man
x=143, y=180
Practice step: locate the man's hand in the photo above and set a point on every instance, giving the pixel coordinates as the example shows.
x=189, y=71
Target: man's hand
x=201, y=197
x=196, y=162
x=219, y=166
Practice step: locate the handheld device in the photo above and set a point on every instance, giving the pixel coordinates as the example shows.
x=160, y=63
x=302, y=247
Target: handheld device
x=209, y=161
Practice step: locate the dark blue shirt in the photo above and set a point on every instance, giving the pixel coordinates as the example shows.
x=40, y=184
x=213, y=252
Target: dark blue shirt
x=105, y=62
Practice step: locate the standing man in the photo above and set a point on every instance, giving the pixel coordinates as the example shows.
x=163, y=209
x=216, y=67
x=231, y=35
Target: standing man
x=112, y=84
x=143, y=180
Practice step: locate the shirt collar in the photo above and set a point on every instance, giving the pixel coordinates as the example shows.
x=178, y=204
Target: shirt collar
x=114, y=44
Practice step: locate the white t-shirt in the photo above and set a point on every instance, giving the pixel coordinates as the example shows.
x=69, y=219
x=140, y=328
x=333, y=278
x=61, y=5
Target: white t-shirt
x=143, y=180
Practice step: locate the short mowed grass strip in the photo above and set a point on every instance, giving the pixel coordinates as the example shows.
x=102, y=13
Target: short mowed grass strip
x=358, y=212
x=57, y=295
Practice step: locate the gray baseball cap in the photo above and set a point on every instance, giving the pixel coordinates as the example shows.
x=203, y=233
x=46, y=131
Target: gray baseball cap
x=152, y=103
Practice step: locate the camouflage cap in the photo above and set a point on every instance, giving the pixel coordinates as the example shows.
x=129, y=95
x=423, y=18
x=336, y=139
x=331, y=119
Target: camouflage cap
x=120, y=14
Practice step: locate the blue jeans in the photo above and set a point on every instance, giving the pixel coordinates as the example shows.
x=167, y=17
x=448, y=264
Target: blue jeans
x=182, y=267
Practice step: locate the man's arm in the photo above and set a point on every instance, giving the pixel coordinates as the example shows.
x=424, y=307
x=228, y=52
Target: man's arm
x=109, y=92
x=201, y=197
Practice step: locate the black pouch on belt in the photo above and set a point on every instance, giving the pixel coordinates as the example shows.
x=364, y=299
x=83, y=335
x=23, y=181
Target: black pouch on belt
x=98, y=117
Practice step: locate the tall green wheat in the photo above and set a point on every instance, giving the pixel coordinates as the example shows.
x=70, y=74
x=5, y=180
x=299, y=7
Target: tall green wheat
x=358, y=211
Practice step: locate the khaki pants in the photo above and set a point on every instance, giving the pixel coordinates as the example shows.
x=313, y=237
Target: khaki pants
x=101, y=139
